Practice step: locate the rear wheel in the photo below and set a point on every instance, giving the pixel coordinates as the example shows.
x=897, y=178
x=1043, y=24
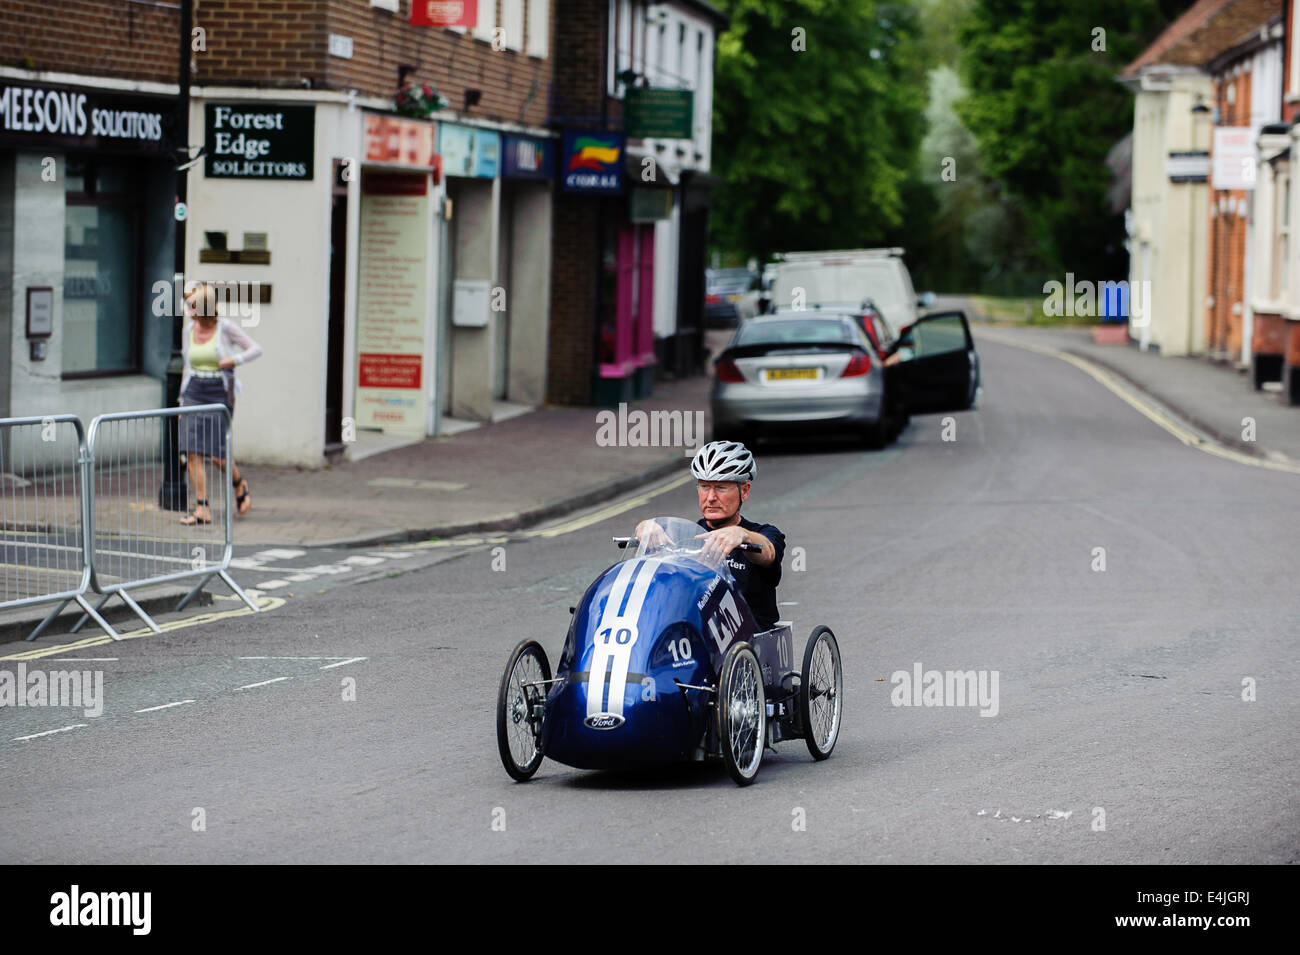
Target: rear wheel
x=741, y=713
x=519, y=724
x=821, y=692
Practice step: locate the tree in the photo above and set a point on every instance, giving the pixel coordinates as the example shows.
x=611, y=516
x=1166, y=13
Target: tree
x=818, y=113
x=1045, y=108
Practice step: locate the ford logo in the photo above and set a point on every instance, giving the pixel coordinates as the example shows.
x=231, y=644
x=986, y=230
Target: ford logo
x=604, y=721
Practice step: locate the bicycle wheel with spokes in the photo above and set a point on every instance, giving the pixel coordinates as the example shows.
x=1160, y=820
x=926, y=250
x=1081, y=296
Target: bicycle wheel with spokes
x=519, y=727
x=741, y=713
x=821, y=692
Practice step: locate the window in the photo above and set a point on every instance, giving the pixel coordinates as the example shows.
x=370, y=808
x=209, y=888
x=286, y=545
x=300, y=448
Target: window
x=1293, y=37
x=512, y=20
x=101, y=229
x=487, y=19
x=539, y=27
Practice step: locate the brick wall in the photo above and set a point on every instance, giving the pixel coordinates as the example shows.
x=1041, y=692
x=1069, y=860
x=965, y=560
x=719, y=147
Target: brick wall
x=284, y=42
x=580, y=47
x=515, y=87
x=262, y=42
x=114, y=38
x=575, y=284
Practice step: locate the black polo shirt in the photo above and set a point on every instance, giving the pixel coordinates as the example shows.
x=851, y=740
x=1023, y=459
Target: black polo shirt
x=757, y=584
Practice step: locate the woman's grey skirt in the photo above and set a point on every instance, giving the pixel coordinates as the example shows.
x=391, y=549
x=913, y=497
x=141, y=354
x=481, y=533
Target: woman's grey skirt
x=205, y=433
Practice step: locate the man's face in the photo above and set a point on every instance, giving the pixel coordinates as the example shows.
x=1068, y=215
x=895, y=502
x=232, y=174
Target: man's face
x=721, y=500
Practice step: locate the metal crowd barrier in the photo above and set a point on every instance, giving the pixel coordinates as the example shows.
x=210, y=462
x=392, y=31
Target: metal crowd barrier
x=44, y=547
x=90, y=510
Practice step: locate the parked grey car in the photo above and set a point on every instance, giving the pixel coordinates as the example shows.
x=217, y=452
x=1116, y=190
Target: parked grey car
x=791, y=372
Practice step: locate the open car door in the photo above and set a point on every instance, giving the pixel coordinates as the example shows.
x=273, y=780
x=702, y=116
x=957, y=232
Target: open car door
x=937, y=367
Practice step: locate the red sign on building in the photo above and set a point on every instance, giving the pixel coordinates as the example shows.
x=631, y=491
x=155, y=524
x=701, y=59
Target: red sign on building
x=444, y=13
x=389, y=371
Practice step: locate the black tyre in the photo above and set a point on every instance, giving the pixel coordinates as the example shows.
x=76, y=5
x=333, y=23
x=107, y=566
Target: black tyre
x=741, y=713
x=821, y=694
x=877, y=434
x=519, y=728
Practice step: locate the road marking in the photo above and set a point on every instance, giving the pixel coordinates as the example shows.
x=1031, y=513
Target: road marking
x=454, y=542
x=613, y=510
x=152, y=709
x=299, y=658
x=1178, y=430
x=265, y=604
x=249, y=686
x=342, y=663
x=272, y=584
x=278, y=553
x=62, y=729
x=84, y=659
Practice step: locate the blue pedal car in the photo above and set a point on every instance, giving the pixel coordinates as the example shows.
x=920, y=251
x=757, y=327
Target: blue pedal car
x=662, y=662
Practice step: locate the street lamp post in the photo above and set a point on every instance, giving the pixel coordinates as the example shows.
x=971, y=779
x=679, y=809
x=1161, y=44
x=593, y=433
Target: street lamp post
x=173, y=493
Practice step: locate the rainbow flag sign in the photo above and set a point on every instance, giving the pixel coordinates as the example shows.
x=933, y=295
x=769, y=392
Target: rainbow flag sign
x=592, y=161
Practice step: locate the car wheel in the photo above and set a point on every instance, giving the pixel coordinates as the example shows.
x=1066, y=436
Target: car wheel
x=877, y=434
x=821, y=693
x=519, y=730
x=741, y=713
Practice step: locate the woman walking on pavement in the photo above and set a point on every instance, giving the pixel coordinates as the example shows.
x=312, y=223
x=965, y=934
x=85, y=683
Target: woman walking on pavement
x=212, y=347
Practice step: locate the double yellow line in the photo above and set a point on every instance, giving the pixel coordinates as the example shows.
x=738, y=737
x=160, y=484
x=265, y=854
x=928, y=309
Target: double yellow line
x=1124, y=393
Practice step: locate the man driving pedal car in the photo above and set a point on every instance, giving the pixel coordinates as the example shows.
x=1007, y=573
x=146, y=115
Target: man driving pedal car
x=723, y=473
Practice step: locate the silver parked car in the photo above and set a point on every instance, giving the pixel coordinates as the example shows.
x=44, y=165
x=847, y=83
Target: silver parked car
x=791, y=372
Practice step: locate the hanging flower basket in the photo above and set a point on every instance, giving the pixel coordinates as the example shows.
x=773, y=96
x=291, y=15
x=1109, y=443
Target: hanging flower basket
x=419, y=100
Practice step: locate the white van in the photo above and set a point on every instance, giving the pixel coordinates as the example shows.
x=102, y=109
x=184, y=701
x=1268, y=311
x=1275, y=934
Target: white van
x=846, y=279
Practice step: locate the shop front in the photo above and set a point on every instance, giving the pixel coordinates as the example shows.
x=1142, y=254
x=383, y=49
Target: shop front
x=87, y=180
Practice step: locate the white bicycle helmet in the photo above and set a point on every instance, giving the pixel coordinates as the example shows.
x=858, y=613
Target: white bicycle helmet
x=724, y=461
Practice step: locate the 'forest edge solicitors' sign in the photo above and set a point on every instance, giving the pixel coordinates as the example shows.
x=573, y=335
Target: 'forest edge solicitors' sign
x=259, y=141
x=592, y=162
x=85, y=118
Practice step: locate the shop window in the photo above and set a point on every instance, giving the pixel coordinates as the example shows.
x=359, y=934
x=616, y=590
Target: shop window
x=101, y=324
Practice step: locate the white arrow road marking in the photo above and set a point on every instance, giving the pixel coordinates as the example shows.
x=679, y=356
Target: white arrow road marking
x=151, y=709
x=62, y=729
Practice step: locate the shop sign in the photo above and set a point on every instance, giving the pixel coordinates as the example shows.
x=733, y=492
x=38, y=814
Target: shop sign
x=1234, y=158
x=592, y=162
x=84, y=118
x=405, y=142
x=650, y=113
x=444, y=13
x=526, y=158
x=259, y=141
x=467, y=151
x=650, y=205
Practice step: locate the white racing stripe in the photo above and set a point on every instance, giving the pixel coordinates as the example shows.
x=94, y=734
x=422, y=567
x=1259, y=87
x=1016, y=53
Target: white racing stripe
x=631, y=585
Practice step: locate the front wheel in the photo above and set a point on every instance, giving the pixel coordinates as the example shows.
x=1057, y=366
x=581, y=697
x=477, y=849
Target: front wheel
x=519, y=701
x=821, y=692
x=741, y=713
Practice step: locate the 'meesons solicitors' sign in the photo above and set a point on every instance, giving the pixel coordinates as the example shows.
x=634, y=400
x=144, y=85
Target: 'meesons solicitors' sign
x=84, y=118
x=259, y=141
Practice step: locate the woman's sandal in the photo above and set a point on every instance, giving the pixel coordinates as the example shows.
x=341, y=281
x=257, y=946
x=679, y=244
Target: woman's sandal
x=193, y=518
x=243, y=500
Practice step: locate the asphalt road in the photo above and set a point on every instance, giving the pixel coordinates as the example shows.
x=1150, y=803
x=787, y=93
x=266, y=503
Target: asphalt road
x=1120, y=691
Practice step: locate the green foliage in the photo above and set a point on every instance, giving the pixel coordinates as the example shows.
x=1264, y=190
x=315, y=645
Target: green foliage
x=816, y=147
x=1045, y=108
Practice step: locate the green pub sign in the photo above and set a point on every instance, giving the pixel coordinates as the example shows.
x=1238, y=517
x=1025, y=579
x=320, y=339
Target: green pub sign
x=650, y=113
